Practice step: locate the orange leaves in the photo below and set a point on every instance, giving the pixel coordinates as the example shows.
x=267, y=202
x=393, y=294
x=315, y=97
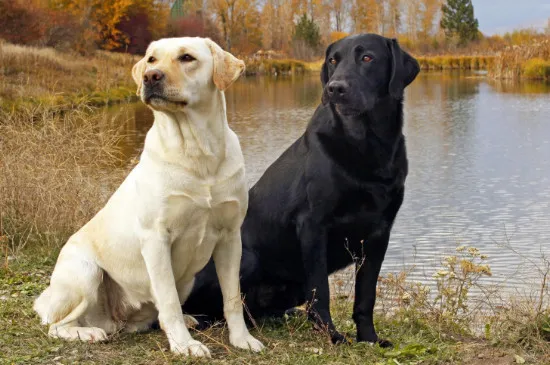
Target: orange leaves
x=99, y=16
x=334, y=36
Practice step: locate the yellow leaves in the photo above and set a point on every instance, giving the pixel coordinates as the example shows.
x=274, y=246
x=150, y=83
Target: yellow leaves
x=430, y=9
x=367, y=15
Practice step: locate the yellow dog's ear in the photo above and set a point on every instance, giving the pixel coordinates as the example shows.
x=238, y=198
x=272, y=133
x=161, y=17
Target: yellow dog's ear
x=137, y=74
x=227, y=68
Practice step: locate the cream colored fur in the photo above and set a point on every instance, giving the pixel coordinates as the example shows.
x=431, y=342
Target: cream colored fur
x=182, y=204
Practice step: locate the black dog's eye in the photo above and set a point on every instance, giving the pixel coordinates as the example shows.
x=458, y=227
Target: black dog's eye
x=151, y=59
x=186, y=58
x=332, y=61
x=367, y=58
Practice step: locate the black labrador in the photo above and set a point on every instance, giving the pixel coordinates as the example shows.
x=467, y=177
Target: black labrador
x=331, y=198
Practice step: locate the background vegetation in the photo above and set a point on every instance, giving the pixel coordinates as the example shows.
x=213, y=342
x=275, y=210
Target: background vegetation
x=288, y=31
x=246, y=26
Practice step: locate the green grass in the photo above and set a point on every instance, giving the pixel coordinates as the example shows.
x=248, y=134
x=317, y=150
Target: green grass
x=288, y=341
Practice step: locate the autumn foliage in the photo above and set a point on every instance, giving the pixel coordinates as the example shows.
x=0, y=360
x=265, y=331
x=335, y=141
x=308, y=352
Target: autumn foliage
x=243, y=27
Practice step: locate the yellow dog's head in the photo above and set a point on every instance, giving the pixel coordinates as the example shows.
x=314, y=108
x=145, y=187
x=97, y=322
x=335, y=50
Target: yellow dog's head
x=177, y=73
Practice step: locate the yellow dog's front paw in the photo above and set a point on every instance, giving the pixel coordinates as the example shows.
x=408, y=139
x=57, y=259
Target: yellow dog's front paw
x=247, y=342
x=191, y=348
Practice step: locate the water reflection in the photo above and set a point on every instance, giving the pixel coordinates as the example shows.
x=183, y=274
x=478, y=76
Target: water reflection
x=479, y=156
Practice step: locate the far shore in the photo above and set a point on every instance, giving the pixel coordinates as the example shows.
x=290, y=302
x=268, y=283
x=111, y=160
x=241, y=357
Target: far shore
x=43, y=76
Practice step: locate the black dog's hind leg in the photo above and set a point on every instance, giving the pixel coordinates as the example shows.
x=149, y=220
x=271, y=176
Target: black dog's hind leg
x=313, y=241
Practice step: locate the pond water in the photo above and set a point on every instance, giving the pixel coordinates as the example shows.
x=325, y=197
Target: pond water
x=479, y=154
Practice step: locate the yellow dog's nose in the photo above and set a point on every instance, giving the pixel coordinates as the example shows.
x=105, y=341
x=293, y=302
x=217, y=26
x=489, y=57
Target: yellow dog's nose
x=152, y=77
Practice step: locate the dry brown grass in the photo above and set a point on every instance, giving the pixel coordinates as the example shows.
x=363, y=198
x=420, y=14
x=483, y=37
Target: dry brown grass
x=56, y=171
x=44, y=75
x=515, y=62
x=518, y=322
x=454, y=62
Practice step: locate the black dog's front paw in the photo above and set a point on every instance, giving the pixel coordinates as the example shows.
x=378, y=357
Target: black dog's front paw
x=337, y=339
x=384, y=343
x=380, y=342
x=370, y=336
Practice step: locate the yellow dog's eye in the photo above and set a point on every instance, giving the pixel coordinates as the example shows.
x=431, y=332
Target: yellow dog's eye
x=186, y=58
x=151, y=59
x=332, y=61
x=367, y=58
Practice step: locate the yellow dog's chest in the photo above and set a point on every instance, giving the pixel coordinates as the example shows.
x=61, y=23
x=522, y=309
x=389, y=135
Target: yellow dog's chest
x=205, y=221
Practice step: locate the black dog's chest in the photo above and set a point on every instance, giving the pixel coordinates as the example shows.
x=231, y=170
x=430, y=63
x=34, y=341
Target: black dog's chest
x=360, y=211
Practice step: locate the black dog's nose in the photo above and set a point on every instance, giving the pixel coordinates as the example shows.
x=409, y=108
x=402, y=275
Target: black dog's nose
x=337, y=88
x=152, y=77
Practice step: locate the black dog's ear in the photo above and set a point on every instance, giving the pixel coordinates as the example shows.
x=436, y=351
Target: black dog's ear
x=324, y=69
x=325, y=77
x=404, y=70
x=324, y=74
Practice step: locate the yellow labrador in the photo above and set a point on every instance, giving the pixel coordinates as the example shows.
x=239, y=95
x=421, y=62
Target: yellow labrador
x=183, y=203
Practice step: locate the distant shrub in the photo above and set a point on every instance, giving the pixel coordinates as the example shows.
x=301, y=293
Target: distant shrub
x=536, y=68
x=19, y=23
x=451, y=62
x=272, y=67
x=136, y=28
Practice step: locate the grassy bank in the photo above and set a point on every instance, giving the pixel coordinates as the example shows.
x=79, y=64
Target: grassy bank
x=427, y=63
x=422, y=332
x=280, y=66
x=32, y=76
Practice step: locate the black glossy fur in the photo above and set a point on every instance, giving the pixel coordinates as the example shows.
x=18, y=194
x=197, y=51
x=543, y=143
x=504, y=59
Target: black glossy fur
x=331, y=198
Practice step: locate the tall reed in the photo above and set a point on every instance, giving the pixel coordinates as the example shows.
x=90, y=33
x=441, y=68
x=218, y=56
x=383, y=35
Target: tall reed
x=531, y=61
x=56, y=171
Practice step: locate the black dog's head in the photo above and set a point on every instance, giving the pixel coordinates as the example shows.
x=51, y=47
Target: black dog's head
x=360, y=70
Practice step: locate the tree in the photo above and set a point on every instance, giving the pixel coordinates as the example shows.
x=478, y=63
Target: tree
x=413, y=8
x=338, y=9
x=307, y=37
x=14, y=17
x=99, y=20
x=458, y=20
x=429, y=13
x=394, y=17
x=367, y=16
x=238, y=21
x=308, y=31
x=277, y=25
